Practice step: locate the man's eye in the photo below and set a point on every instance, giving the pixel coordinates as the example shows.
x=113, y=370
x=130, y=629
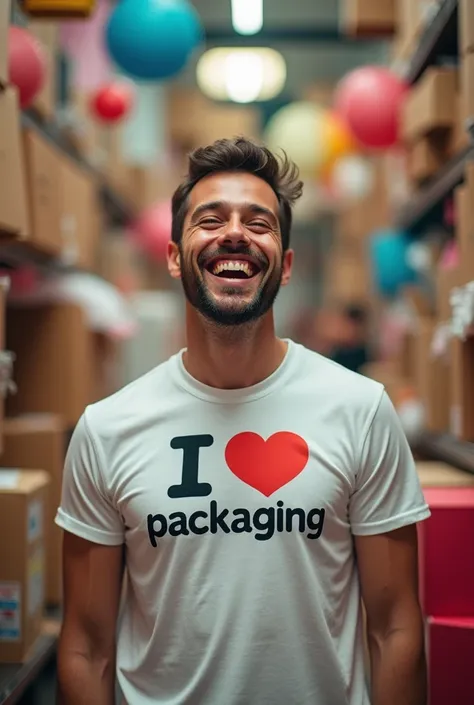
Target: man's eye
x=210, y=221
x=258, y=224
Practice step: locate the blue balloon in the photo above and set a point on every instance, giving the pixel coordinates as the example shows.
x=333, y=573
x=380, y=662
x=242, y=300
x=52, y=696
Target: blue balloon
x=390, y=267
x=151, y=40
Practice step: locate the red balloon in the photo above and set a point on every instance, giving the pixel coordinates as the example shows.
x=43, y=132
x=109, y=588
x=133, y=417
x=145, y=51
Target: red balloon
x=112, y=102
x=370, y=99
x=26, y=64
x=152, y=231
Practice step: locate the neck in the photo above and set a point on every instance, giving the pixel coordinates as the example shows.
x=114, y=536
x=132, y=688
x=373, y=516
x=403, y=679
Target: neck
x=231, y=357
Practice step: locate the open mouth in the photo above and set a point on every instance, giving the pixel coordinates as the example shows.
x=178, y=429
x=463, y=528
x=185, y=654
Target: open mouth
x=225, y=268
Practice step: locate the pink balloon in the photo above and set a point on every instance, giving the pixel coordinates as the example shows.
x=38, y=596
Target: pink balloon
x=369, y=100
x=84, y=42
x=450, y=256
x=152, y=231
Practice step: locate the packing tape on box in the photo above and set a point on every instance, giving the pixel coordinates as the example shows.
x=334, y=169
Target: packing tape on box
x=7, y=385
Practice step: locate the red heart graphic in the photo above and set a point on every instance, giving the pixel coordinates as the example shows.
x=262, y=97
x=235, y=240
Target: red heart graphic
x=267, y=465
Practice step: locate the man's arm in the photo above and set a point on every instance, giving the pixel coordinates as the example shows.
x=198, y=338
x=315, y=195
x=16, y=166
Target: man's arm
x=86, y=652
x=388, y=569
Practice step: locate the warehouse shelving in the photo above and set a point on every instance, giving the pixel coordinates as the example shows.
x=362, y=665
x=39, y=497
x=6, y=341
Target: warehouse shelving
x=445, y=448
x=16, y=678
x=438, y=40
x=424, y=202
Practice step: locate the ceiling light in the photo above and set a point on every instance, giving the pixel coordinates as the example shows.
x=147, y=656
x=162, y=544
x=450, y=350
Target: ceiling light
x=241, y=75
x=247, y=16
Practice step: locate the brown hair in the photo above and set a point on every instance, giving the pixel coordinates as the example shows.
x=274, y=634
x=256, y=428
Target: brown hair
x=240, y=154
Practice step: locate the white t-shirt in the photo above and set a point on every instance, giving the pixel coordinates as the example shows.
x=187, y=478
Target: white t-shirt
x=237, y=509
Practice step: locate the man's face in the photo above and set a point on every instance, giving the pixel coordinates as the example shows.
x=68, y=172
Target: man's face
x=230, y=258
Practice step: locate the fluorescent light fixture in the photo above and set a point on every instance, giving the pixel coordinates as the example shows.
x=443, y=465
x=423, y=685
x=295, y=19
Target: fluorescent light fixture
x=247, y=16
x=241, y=75
x=244, y=77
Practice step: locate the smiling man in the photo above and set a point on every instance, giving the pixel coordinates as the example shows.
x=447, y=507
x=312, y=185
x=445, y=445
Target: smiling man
x=250, y=491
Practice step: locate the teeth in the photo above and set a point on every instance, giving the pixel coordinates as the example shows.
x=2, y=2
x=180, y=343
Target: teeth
x=233, y=267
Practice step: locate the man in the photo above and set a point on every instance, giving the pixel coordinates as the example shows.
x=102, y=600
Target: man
x=353, y=352
x=253, y=489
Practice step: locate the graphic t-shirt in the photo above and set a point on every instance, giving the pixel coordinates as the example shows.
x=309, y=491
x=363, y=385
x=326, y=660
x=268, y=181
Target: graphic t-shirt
x=238, y=510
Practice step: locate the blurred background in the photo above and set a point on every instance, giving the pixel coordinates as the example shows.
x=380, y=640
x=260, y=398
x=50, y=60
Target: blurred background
x=100, y=103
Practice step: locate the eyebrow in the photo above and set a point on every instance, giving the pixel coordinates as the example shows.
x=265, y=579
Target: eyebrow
x=220, y=205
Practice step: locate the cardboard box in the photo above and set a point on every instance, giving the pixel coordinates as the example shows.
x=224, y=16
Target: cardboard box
x=79, y=215
x=446, y=281
x=432, y=379
x=5, y=11
x=59, y=378
x=6, y=361
x=462, y=384
x=446, y=543
x=47, y=33
x=467, y=88
x=428, y=155
x=369, y=18
x=14, y=221
x=431, y=105
x=466, y=26
x=464, y=203
x=40, y=440
x=450, y=647
x=44, y=186
x=434, y=474
x=23, y=497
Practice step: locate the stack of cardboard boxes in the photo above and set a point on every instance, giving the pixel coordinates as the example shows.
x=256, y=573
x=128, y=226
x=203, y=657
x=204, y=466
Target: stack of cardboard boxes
x=49, y=206
x=446, y=541
x=432, y=123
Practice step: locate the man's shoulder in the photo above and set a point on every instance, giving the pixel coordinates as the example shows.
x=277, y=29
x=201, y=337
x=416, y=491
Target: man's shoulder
x=133, y=402
x=328, y=377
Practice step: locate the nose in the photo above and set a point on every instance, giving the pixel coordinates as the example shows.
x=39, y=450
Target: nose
x=235, y=233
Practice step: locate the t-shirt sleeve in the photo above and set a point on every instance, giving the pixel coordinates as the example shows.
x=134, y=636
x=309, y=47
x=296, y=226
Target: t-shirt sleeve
x=387, y=492
x=86, y=510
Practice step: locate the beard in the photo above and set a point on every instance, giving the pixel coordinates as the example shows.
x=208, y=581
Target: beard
x=229, y=309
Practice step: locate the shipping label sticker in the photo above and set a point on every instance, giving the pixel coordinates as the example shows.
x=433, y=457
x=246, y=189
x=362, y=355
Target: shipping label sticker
x=35, y=520
x=10, y=612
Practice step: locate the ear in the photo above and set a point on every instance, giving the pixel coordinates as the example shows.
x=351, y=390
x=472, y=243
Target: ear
x=287, y=267
x=174, y=260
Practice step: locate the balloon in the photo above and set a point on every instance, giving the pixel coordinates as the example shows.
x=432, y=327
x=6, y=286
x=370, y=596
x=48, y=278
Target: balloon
x=338, y=140
x=83, y=41
x=152, y=231
x=369, y=100
x=352, y=178
x=450, y=256
x=152, y=39
x=298, y=130
x=26, y=64
x=112, y=102
x=390, y=267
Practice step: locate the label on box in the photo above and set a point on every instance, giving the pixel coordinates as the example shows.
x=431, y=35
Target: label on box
x=9, y=479
x=35, y=520
x=36, y=582
x=10, y=611
x=455, y=421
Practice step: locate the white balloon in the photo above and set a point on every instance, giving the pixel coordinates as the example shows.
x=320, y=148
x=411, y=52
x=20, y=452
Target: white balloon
x=297, y=129
x=419, y=257
x=353, y=177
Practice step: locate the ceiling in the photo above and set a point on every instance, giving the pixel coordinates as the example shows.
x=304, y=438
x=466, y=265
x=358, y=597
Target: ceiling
x=306, y=32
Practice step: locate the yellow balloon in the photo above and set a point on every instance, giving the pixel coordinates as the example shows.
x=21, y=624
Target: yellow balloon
x=298, y=130
x=339, y=142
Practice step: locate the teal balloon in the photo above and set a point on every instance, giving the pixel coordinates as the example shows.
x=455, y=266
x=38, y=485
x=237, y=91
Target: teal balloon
x=389, y=258
x=152, y=40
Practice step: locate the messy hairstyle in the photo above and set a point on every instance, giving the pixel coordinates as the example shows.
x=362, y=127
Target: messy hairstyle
x=240, y=154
